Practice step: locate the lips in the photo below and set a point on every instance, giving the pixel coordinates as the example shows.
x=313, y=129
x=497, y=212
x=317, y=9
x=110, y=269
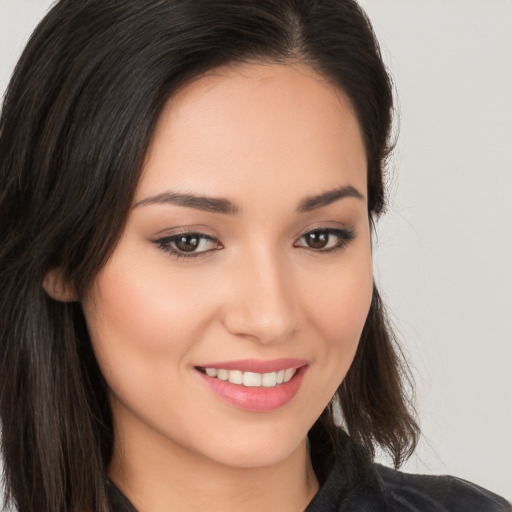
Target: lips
x=252, y=384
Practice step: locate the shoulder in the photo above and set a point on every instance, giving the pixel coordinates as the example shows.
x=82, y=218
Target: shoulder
x=351, y=482
x=407, y=491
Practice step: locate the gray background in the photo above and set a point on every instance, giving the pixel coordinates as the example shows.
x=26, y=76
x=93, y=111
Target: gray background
x=443, y=251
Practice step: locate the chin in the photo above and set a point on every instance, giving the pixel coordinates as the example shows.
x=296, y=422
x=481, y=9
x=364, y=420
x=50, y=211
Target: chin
x=256, y=456
x=260, y=447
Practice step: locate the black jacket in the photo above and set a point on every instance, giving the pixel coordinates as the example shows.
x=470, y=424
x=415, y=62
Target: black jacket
x=350, y=482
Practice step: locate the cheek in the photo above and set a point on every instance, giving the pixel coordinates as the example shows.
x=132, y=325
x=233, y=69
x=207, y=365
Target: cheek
x=138, y=319
x=339, y=308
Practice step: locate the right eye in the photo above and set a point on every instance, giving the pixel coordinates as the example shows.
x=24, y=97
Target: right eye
x=187, y=245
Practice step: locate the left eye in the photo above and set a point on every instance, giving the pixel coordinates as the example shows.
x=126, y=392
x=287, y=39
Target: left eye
x=187, y=244
x=325, y=239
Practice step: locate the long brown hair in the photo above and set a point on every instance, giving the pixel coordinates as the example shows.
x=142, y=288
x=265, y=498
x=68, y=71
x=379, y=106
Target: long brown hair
x=76, y=122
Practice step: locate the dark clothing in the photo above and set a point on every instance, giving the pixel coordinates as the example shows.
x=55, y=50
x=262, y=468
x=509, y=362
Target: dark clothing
x=350, y=482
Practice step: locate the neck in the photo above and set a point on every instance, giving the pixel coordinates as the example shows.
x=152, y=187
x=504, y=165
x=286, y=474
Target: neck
x=158, y=477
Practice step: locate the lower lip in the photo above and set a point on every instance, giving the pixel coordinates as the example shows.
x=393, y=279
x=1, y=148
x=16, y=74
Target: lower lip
x=257, y=399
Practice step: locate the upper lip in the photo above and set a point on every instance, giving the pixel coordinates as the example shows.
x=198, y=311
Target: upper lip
x=257, y=365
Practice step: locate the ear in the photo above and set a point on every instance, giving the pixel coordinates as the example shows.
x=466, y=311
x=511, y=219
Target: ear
x=58, y=288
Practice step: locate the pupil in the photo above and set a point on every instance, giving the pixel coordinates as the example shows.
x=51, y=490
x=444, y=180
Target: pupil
x=187, y=243
x=318, y=239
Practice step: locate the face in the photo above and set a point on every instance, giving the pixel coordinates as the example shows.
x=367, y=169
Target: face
x=246, y=256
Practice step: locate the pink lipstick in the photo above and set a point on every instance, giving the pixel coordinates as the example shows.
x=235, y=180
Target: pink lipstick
x=254, y=385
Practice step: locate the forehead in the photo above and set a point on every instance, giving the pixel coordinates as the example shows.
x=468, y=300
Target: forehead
x=266, y=126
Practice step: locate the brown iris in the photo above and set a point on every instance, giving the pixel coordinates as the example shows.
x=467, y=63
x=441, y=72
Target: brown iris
x=317, y=239
x=187, y=243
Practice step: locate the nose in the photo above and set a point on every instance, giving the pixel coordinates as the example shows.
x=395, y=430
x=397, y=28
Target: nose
x=261, y=305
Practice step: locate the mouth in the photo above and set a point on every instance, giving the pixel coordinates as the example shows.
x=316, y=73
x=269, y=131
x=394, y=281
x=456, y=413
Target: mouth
x=252, y=385
x=250, y=379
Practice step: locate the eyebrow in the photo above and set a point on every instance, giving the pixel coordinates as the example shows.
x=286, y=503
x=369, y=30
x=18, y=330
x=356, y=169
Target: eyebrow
x=319, y=201
x=226, y=207
x=207, y=204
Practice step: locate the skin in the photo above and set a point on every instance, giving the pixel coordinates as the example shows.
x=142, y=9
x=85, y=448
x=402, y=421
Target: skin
x=264, y=137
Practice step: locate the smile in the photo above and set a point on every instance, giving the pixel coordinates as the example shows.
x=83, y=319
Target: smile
x=254, y=385
x=251, y=379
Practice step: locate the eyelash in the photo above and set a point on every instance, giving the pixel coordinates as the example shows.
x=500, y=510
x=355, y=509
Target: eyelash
x=165, y=244
x=345, y=236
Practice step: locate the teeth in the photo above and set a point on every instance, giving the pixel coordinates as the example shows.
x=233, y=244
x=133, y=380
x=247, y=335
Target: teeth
x=252, y=379
x=288, y=374
x=222, y=374
x=236, y=377
x=269, y=380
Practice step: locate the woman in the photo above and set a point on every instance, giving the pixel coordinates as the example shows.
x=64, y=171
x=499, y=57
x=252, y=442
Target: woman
x=187, y=196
